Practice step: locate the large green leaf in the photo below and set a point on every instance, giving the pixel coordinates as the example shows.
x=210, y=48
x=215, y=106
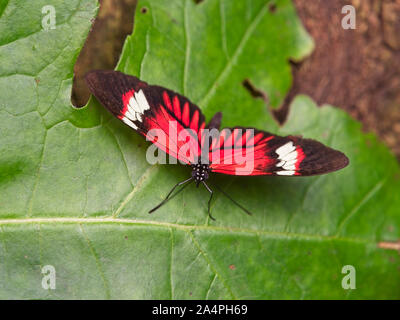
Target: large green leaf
x=75, y=187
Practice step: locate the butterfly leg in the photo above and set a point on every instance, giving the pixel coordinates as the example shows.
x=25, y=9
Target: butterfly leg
x=209, y=201
x=169, y=194
x=237, y=204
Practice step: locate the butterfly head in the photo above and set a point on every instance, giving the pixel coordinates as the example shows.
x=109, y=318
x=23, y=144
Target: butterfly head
x=200, y=172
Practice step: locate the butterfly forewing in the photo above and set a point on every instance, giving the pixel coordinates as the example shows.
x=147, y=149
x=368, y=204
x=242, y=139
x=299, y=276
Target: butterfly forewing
x=150, y=109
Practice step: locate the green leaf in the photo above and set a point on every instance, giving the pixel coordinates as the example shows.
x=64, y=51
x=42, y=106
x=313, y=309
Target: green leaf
x=75, y=187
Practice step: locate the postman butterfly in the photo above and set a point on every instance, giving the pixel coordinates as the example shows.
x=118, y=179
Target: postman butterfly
x=149, y=108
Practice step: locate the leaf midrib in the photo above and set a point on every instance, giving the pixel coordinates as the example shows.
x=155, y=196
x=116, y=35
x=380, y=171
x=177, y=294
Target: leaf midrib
x=185, y=227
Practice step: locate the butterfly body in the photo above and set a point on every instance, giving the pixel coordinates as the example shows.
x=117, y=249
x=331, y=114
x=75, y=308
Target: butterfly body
x=200, y=172
x=177, y=126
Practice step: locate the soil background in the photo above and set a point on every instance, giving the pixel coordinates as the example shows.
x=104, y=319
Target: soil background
x=356, y=70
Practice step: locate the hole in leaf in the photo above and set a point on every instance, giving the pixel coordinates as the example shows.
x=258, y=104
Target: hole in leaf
x=272, y=7
x=282, y=113
x=143, y=10
x=256, y=93
x=103, y=46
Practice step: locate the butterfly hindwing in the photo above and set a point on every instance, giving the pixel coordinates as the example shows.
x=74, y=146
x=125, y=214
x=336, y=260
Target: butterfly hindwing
x=247, y=151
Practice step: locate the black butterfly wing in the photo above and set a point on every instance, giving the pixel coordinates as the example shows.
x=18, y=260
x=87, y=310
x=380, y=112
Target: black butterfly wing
x=248, y=151
x=148, y=109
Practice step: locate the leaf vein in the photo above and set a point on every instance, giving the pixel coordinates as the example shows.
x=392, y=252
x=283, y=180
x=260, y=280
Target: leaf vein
x=214, y=270
x=30, y=203
x=223, y=28
x=171, y=263
x=40, y=30
x=187, y=48
x=210, y=286
x=122, y=154
x=359, y=204
x=235, y=56
x=128, y=198
x=185, y=227
x=97, y=260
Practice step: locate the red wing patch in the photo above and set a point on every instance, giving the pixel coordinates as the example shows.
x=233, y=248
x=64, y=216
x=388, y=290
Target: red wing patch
x=147, y=108
x=245, y=151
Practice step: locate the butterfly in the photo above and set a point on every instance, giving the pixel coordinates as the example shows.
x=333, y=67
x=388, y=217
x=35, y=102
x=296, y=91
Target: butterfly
x=177, y=126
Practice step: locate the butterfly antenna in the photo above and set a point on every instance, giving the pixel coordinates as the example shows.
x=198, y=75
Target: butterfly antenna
x=230, y=198
x=167, y=198
x=209, y=201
